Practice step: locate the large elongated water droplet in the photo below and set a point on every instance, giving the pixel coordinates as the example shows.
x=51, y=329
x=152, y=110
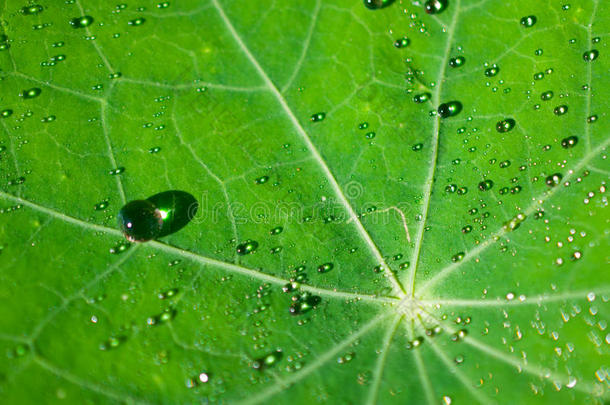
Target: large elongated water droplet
x=435, y=6
x=377, y=4
x=140, y=220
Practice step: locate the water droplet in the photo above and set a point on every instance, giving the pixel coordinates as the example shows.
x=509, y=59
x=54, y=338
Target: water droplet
x=449, y=109
x=546, y=96
x=457, y=257
x=276, y=231
x=6, y=113
x=165, y=4
x=369, y=135
x=116, y=171
x=467, y=229
x=101, y=206
x=569, y=142
x=486, y=185
x=318, y=117
x=154, y=150
x=539, y=76
x=140, y=220
x=529, y=21
x=417, y=147
x=363, y=125
x=112, y=342
x=515, y=222
x=591, y=119
x=247, y=247
x=267, y=360
x=377, y=4
x=404, y=265
x=401, y=42
x=31, y=10
x=81, y=22
x=504, y=164
x=325, y=268
x=506, y=125
x=421, y=98
x=561, y=110
x=457, y=61
x=492, y=71
x=30, y=93
x=120, y=248
x=261, y=180
x=137, y=21
x=172, y=292
x=435, y=6
x=165, y=316
x=591, y=55
x=553, y=179
x=304, y=303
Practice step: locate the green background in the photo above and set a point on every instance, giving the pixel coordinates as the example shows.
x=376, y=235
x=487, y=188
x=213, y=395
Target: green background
x=225, y=90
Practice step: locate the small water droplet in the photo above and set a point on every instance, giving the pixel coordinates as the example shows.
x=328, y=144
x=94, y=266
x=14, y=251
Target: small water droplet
x=377, y=4
x=421, y=98
x=486, y=185
x=6, y=113
x=261, y=180
x=529, y=21
x=546, y=96
x=505, y=125
x=116, y=171
x=101, y=205
x=591, y=55
x=553, y=179
x=137, y=21
x=560, y=110
x=31, y=10
x=457, y=61
x=81, y=22
x=457, y=257
x=267, y=360
x=247, y=247
x=569, y=142
x=317, y=117
x=435, y=6
x=401, y=42
x=276, y=231
x=30, y=93
x=363, y=125
x=325, y=268
x=492, y=71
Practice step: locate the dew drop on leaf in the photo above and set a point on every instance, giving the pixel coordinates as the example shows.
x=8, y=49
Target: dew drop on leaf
x=6, y=113
x=449, y=109
x=486, y=185
x=492, y=71
x=421, y=98
x=591, y=119
x=261, y=180
x=377, y=4
x=569, y=142
x=591, y=55
x=529, y=21
x=505, y=125
x=247, y=247
x=553, y=179
x=435, y=6
x=276, y=231
x=325, y=268
x=30, y=93
x=317, y=117
x=401, y=42
x=547, y=95
x=560, y=110
x=81, y=22
x=457, y=61
x=31, y=10
x=137, y=21
x=267, y=360
x=140, y=220
x=363, y=125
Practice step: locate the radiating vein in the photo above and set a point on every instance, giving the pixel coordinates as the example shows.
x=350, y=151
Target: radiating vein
x=589, y=79
x=312, y=149
x=421, y=368
x=521, y=364
x=310, y=30
x=534, y=300
x=445, y=272
x=436, y=100
x=380, y=364
x=230, y=267
x=281, y=385
x=459, y=374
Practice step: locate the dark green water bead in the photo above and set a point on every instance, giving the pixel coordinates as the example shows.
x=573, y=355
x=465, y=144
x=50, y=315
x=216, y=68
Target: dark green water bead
x=591, y=55
x=81, y=22
x=569, y=142
x=140, y=220
x=457, y=61
x=450, y=109
x=401, y=42
x=377, y=4
x=421, y=98
x=435, y=6
x=506, y=125
x=529, y=21
x=31, y=10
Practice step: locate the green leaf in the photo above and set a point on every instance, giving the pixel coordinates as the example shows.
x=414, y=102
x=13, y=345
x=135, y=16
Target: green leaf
x=453, y=249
